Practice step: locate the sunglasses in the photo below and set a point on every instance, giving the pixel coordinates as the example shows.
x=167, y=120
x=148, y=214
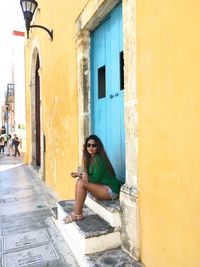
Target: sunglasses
x=93, y=145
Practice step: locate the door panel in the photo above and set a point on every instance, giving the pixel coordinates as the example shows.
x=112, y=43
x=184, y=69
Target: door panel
x=108, y=111
x=37, y=113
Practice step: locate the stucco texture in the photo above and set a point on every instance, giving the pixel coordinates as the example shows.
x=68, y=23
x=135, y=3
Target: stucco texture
x=168, y=63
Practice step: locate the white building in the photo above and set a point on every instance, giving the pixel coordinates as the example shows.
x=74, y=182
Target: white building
x=19, y=83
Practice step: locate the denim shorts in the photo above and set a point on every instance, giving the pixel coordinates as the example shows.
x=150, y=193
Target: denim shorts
x=112, y=194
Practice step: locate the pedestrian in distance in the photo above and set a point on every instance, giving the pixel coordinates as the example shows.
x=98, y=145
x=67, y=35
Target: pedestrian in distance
x=98, y=178
x=2, y=144
x=10, y=145
x=5, y=140
x=16, y=143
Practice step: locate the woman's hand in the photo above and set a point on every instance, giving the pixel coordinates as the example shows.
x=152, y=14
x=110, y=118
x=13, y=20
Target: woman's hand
x=85, y=177
x=75, y=174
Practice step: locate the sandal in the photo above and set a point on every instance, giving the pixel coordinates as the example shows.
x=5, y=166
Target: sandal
x=72, y=217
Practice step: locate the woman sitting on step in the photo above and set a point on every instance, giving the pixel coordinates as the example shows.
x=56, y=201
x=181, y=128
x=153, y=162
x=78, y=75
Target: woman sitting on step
x=98, y=178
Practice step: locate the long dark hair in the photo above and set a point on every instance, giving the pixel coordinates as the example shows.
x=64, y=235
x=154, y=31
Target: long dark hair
x=100, y=150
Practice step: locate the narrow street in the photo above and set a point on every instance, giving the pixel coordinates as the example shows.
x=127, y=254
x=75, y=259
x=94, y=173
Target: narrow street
x=28, y=233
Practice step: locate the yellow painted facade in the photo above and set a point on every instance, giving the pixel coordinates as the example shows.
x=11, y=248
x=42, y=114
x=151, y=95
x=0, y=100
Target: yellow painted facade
x=167, y=78
x=58, y=92
x=168, y=64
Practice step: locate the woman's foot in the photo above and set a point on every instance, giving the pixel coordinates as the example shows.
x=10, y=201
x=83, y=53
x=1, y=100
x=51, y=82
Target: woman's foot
x=72, y=217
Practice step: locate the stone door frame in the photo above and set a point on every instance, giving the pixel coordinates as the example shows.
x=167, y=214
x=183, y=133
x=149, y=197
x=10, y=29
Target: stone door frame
x=91, y=16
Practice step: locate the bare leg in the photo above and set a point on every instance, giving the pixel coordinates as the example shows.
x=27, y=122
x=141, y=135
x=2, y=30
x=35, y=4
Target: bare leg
x=80, y=195
x=98, y=190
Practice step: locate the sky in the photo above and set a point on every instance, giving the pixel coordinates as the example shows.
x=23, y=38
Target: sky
x=11, y=18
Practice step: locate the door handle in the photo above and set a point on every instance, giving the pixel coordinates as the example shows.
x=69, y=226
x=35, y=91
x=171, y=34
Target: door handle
x=111, y=96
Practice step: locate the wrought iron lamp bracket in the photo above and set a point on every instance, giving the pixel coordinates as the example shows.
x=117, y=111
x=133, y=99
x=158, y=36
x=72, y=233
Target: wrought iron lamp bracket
x=44, y=28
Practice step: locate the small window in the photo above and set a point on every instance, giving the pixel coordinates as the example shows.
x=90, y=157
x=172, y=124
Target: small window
x=121, y=62
x=102, y=82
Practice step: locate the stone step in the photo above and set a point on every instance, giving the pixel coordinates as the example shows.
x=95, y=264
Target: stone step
x=88, y=236
x=113, y=257
x=108, y=210
x=54, y=212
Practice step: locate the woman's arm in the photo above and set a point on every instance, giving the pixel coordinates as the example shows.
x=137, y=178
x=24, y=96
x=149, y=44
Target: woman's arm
x=85, y=177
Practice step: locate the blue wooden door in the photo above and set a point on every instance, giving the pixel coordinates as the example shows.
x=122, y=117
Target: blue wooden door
x=107, y=94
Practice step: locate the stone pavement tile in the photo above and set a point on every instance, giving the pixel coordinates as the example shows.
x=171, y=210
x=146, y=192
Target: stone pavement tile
x=45, y=192
x=24, y=240
x=26, y=206
x=30, y=255
x=25, y=222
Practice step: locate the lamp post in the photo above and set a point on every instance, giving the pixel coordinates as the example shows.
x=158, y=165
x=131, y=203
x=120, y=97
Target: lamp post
x=28, y=9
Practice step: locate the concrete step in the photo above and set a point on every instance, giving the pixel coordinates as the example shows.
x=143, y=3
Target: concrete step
x=108, y=210
x=88, y=236
x=54, y=212
x=109, y=258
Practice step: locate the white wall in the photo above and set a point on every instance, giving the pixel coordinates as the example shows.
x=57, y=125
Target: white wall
x=19, y=81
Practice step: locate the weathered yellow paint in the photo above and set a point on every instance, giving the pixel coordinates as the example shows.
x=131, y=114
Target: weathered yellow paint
x=168, y=64
x=58, y=91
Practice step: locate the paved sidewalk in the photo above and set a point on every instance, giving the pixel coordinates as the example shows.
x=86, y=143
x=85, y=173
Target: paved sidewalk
x=28, y=234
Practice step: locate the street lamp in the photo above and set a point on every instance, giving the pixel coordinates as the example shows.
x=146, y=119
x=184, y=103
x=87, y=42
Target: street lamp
x=28, y=9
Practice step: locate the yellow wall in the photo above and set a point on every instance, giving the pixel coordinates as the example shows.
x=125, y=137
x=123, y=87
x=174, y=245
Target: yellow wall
x=59, y=92
x=168, y=78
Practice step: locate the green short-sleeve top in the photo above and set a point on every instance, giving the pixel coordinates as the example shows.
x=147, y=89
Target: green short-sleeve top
x=98, y=173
